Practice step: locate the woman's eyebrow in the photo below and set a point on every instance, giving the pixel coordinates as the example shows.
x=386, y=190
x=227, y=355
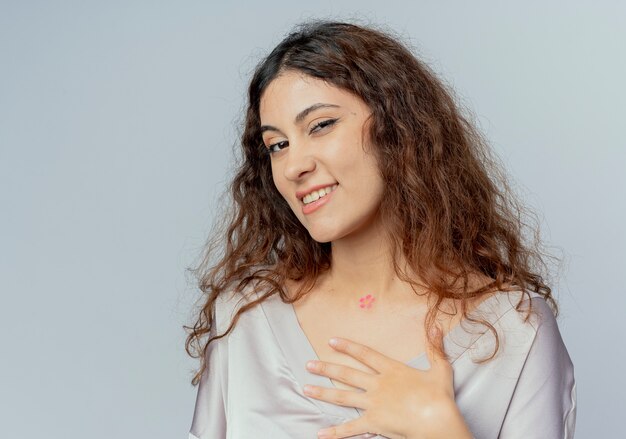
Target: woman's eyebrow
x=301, y=115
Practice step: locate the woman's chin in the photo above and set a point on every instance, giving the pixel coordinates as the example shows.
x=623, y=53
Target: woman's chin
x=321, y=238
x=322, y=234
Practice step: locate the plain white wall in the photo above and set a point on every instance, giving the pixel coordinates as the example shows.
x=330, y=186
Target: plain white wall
x=117, y=121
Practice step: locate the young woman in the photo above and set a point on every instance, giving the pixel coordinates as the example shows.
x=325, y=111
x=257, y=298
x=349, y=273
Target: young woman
x=369, y=210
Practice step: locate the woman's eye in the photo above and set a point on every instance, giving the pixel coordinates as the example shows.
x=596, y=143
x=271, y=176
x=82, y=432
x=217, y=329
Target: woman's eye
x=318, y=126
x=270, y=148
x=322, y=124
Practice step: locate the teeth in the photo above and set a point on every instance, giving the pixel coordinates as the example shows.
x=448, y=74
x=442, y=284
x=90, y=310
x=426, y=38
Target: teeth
x=316, y=195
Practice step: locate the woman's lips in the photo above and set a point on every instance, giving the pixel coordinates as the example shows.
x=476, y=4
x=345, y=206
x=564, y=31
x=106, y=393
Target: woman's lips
x=312, y=207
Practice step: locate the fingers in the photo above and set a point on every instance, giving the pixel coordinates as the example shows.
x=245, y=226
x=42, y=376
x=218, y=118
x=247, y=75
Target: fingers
x=347, y=398
x=366, y=355
x=345, y=374
x=352, y=428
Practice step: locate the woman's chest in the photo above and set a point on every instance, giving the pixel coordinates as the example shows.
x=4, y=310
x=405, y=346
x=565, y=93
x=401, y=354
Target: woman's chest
x=397, y=334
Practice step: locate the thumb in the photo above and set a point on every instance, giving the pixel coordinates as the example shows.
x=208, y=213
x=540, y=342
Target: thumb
x=435, y=350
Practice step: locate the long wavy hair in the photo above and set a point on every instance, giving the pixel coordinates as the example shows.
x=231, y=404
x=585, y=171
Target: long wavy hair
x=459, y=216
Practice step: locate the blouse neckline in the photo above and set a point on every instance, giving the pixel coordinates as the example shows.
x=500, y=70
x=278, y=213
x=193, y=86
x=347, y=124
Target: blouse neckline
x=297, y=348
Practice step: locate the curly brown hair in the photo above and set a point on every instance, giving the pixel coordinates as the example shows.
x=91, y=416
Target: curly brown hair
x=459, y=216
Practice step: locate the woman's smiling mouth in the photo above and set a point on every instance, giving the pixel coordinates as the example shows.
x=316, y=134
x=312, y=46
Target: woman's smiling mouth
x=317, y=194
x=317, y=198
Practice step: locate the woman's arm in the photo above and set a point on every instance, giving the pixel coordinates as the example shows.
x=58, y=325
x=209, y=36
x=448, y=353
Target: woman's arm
x=544, y=401
x=209, y=418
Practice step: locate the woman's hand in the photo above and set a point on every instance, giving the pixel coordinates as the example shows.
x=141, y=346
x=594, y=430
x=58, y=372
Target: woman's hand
x=401, y=402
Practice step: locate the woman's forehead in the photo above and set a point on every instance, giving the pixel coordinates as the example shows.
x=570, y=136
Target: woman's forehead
x=296, y=86
x=290, y=93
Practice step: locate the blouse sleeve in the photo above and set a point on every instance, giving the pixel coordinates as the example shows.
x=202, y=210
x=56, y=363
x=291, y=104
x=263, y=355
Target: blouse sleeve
x=209, y=418
x=544, y=400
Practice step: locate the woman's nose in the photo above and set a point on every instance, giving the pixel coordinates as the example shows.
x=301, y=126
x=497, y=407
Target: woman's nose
x=298, y=162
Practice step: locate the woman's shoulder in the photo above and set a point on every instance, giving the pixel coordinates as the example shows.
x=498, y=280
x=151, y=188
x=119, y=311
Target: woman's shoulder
x=528, y=308
x=521, y=306
x=231, y=300
x=515, y=316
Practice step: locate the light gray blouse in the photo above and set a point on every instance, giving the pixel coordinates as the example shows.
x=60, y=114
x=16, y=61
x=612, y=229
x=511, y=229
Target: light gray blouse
x=253, y=385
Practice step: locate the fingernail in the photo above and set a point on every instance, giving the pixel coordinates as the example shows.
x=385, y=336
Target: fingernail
x=333, y=342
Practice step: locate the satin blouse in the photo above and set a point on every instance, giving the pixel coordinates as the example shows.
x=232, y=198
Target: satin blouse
x=253, y=385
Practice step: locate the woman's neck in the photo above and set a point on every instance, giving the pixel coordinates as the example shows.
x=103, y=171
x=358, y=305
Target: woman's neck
x=359, y=271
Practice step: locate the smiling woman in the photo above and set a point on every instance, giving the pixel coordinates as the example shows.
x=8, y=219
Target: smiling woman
x=369, y=210
x=321, y=147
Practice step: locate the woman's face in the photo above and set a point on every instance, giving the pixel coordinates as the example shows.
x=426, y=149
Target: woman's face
x=316, y=133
